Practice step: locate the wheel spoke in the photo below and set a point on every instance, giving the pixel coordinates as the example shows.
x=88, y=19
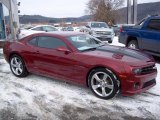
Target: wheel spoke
x=13, y=65
x=16, y=61
x=96, y=86
x=104, y=91
x=20, y=70
x=109, y=86
x=16, y=71
x=105, y=76
x=97, y=78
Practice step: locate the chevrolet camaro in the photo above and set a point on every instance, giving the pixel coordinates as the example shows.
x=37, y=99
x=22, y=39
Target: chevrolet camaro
x=84, y=60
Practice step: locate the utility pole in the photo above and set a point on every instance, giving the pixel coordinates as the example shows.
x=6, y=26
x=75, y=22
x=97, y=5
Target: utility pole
x=134, y=11
x=11, y=20
x=129, y=12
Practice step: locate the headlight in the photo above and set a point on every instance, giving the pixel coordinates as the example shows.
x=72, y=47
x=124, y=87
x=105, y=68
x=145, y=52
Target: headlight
x=137, y=71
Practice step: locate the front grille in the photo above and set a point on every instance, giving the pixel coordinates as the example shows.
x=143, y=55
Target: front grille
x=147, y=70
x=149, y=83
x=103, y=33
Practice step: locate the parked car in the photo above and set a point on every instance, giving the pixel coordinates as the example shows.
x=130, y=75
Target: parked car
x=77, y=29
x=101, y=31
x=70, y=28
x=84, y=29
x=45, y=28
x=64, y=29
x=82, y=59
x=145, y=35
x=67, y=29
x=37, y=29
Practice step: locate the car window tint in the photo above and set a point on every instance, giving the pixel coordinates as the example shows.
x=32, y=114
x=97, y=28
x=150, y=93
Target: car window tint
x=154, y=24
x=33, y=41
x=38, y=29
x=50, y=42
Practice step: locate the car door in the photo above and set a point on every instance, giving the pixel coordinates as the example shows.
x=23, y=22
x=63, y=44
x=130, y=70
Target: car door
x=30, y=54
x=51, y=61
x=151, y=36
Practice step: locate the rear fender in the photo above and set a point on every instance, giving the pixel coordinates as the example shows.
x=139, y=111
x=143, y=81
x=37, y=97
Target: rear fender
x=133, y=36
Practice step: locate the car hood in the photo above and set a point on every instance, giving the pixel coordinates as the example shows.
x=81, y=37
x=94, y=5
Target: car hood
x=129, y=56
x=102, y=29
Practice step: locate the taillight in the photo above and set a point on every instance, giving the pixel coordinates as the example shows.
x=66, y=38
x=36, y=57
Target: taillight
x=121, y=29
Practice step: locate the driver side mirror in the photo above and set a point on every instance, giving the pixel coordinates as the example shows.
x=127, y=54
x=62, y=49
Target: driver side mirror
x=63, y=49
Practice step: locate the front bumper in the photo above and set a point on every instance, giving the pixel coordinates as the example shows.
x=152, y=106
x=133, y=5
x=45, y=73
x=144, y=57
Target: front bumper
x=105, y=37
x=138, y=84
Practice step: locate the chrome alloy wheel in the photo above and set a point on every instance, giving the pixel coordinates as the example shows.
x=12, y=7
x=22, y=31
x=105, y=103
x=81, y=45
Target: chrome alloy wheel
x=102, y=84
x=16, y=66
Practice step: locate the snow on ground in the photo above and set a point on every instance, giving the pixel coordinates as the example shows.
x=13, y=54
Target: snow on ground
x=41, y=98
x=115, y=42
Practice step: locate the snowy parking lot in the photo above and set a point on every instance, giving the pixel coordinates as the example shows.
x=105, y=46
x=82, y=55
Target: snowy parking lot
x=41, y=98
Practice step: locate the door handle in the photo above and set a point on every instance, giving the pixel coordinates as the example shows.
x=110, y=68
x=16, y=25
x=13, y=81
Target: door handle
x=37, y=52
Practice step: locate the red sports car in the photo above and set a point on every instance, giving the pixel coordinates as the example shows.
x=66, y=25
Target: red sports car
x=82, y=59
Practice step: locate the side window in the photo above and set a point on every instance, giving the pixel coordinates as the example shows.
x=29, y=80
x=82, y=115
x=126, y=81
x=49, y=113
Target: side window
x=154, y=24
x=48, y=28
x=50, y=42
x=38, y=29
x=33, y=41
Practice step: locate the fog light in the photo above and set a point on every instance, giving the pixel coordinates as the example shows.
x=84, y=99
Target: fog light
x=137, y=85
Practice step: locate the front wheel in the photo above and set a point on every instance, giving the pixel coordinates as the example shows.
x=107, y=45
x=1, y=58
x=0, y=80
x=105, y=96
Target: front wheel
x=17, y=66
x=103, y=83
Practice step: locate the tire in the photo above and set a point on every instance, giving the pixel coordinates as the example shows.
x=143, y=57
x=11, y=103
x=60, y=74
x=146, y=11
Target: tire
x=103, y=83
x=17, y=66
x=109, y=41
x=133, y=44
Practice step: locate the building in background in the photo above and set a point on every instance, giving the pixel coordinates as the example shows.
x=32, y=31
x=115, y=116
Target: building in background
x=9, y=19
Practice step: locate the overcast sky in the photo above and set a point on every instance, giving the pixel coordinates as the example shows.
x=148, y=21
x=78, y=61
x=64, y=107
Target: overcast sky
x=57, y=8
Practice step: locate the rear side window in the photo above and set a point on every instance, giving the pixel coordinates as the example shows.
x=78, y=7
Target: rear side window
x=50, y=42
x=154, y=24
x=33, y=41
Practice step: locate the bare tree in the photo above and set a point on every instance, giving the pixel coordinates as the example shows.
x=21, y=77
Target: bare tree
x=104, y=10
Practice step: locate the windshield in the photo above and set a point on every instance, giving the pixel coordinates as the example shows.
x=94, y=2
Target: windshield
x=85, y=42
x=99, y=25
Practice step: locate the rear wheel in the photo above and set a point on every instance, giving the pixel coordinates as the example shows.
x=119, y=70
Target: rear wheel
x=103, y=83
x=133, y=44
x=17, y=66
